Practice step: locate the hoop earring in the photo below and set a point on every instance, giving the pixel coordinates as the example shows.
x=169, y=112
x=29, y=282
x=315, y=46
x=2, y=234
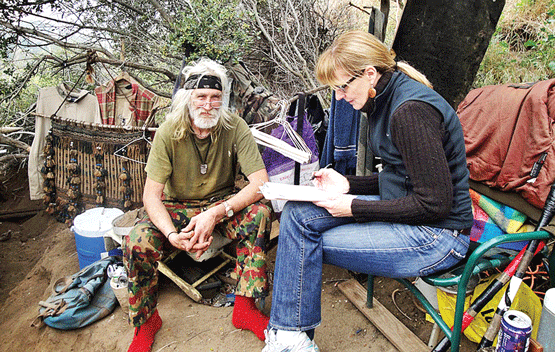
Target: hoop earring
x=371, y=93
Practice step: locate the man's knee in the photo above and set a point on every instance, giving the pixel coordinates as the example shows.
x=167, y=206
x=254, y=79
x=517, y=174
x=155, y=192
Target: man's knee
x=263, y=211
x=141, y=237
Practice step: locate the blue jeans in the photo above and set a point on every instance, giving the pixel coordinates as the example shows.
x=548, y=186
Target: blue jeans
x=309, y=236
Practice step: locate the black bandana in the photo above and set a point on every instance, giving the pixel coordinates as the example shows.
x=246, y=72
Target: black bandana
x=211, y=82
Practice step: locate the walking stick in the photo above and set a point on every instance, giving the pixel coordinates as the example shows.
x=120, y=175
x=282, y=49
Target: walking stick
x=516, y=280
x=496, y=285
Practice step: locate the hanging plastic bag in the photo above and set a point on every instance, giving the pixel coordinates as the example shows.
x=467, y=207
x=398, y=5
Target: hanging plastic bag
x=281, y=169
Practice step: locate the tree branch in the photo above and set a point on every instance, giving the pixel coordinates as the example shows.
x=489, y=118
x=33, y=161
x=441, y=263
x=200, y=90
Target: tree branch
x=272, y=43
x=162, y=12
x=42, y=36
x=114, y=62
x=14, y=143
x=25, y=80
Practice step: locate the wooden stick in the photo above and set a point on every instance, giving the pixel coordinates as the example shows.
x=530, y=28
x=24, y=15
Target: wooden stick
x=189, y=290
x=215, y=270
x=14, y=142
x=97, y=125
x=8, y=129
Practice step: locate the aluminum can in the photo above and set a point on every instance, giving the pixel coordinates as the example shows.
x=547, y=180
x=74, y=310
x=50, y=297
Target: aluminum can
x=514, y=333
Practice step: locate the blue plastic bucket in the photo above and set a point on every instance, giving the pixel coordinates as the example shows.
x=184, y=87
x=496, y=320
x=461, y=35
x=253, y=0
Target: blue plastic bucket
x=89, y=229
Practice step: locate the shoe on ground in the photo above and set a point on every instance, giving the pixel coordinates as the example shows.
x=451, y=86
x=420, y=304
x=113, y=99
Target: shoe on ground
x=293, y=341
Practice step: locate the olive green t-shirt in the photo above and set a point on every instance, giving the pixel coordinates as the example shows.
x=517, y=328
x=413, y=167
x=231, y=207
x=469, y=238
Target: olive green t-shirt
x=177, y=164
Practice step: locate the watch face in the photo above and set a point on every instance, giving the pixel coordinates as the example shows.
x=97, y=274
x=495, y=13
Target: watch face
x=228, y=209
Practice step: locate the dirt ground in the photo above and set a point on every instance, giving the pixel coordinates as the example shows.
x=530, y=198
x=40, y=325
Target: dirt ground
x=37, y=250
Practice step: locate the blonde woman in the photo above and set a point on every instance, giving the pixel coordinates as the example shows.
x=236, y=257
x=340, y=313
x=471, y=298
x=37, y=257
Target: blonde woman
x=411, y=219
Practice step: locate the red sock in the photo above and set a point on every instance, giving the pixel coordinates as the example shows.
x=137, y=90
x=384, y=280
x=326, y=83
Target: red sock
x=247, y=316
x=144, y=334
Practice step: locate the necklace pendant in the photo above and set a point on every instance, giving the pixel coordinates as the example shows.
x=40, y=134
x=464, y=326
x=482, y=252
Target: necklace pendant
x=203, y=168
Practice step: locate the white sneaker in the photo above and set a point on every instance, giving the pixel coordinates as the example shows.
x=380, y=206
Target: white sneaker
x=293, y=341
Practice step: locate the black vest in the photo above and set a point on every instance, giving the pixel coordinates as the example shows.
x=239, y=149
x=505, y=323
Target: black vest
x=393, y=179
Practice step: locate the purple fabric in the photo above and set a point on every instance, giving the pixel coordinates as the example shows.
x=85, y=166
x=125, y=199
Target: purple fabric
x=276, y=162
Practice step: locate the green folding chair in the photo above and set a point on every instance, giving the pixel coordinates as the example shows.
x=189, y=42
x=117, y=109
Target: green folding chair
x=477, y=261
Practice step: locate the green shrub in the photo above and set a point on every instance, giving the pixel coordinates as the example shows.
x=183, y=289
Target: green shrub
x=523, y=46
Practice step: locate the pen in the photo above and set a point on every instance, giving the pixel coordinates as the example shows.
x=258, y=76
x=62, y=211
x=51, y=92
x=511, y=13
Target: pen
x=325, y=167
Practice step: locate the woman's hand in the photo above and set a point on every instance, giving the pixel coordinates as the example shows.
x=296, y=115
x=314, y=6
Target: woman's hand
x=331, y=181
x=338, y=205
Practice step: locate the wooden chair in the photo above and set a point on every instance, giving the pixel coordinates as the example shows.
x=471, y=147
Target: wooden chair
x=191, y=289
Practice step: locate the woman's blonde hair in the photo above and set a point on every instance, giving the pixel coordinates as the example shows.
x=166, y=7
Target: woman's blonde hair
x=180, y=116
x=353, y=52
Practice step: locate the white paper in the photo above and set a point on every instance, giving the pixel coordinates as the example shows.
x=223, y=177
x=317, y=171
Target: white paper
x=273, y=190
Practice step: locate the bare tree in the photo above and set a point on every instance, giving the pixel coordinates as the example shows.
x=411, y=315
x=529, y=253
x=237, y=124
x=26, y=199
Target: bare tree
x=293, y=34
x=280, y=39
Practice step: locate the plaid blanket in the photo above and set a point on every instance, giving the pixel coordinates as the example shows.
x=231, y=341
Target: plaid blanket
x=492, y=218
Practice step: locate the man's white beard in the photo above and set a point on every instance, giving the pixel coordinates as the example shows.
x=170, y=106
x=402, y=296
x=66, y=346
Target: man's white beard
x=205, y=122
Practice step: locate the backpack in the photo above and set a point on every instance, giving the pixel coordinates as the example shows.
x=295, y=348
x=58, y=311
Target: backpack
x=80, y=299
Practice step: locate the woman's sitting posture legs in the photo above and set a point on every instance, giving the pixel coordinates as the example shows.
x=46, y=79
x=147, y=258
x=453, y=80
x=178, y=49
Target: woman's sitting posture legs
x=310, y=236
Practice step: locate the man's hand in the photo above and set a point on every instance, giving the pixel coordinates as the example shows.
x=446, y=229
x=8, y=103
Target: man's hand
x=198, y=233
x=180, y=239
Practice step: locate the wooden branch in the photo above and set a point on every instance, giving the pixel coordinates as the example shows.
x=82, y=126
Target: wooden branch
x=162, y=12
x=115, y=62
x=129, y=7
x=8, y=129
x=292, y=99
x=14, y=142
x=43, y=36
x=79, y=59
x=9, y=157
x=359, y=8
x=272, y=43
x=81, y=26
x=308, y=92
x=91, y=125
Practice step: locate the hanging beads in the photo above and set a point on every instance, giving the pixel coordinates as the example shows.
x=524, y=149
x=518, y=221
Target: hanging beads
x=48, y=171
x=100, y=174
x=74, y=180
x=125, y=179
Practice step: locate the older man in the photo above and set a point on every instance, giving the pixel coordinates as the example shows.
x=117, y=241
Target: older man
x=189, y=191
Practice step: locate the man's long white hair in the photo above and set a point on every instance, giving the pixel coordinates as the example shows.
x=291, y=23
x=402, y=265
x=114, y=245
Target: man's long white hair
x=180, y=115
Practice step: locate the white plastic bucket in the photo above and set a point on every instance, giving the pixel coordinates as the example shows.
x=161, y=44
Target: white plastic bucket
x=89, y=229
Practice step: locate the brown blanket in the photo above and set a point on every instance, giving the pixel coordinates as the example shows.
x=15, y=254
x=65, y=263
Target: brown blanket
x=508, y=128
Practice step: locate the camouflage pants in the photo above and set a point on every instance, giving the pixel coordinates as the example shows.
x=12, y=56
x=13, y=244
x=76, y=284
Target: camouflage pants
x=145, y=246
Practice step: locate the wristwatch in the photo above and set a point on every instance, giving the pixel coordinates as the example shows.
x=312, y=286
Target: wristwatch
x=228, y=210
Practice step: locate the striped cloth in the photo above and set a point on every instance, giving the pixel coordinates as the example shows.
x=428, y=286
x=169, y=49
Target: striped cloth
x=492, y=219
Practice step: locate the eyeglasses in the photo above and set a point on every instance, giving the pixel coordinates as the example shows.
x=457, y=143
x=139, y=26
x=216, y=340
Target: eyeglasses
x=343, y=88
x=215, y=104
